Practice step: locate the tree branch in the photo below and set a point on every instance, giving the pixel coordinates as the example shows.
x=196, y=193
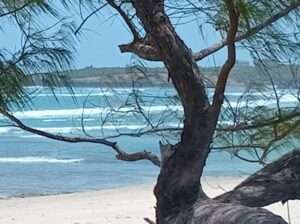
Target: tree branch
x=142, y=47
x=246, y=126
x=252, y=31
x=218, y=97
x=89, y=16
x=121, y=155
x=149, y=221
x=212, y=212
x=15, y=10
x=125, y=17
x=278, y=181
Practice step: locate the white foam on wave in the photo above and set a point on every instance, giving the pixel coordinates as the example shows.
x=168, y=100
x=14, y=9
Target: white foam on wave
x=287, y=100
x=50, y=115
x=75, y=94
x=248, y=94
x=77, y=131
x=54, y=120
x=56, y=113
x=82, y=92
x=72, y=130
x=30, y=159
x=67, y=113
x=90, y=128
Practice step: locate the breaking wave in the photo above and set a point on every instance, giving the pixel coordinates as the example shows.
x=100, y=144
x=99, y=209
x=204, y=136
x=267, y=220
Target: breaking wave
x=30, y=159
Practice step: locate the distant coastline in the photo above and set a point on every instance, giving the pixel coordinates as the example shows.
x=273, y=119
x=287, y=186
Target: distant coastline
x=244, y=74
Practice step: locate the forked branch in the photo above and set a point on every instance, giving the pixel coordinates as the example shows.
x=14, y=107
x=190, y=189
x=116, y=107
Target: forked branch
x=218, y=97
x=15, y=9
x=278, y=181
x=143, y=47
x=252, y=31
x=121, y=155
x=125, y=17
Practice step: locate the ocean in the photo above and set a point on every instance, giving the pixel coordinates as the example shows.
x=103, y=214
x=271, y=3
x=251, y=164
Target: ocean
x=31, y=165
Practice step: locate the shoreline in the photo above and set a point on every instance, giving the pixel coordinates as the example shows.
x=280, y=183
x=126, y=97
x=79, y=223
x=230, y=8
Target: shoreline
x=206, y=179
x=122, y=205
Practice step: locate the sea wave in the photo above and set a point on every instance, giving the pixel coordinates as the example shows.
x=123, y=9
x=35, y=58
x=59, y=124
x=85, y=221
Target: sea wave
x=75, y=94
x=31, y=159
x=78, y=112
x=81, y=92
x=67, y=113
x=108, y=129
x=283, y=101
x=77, y=130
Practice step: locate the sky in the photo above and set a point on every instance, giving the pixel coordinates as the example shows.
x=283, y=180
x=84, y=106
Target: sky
x=98, y=44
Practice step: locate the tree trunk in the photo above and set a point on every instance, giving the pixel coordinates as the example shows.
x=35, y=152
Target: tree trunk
x=178, y=184
x=180, y=199
x=211, y=212
x=278, y=181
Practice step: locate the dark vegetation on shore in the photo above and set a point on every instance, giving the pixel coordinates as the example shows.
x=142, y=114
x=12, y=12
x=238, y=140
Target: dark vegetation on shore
x=244, y=74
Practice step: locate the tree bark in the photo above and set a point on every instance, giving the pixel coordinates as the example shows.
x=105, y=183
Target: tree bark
x=278, y=181
x=211, y=212
x=178, y=184
x=180, y=199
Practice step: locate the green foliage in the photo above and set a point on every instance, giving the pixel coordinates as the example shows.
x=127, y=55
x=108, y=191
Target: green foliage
x=43, y=48
x=48, y=50
x=277, y=41
x=257, y=126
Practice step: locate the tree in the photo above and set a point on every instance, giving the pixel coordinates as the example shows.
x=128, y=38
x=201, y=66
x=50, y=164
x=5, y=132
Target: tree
x=254, y=24
x=43, y=48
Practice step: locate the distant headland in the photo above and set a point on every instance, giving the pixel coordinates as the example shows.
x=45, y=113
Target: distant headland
x=244, y=74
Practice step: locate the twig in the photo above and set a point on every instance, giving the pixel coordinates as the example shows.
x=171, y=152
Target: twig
x=149, y=221
x=121, y=155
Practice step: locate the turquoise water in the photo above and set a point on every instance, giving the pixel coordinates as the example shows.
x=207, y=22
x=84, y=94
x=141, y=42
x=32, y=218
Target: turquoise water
x=33, y=165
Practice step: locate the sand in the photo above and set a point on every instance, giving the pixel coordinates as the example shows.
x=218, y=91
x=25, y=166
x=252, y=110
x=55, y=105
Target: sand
x=128, y=205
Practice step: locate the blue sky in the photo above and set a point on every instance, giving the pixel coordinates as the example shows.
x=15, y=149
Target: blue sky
x=98, y=44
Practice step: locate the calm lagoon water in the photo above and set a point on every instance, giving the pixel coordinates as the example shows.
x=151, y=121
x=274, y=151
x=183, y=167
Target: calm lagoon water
x=32, y=165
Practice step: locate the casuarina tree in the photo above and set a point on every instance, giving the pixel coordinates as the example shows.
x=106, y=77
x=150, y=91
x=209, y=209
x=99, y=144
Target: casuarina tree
x=255, y=25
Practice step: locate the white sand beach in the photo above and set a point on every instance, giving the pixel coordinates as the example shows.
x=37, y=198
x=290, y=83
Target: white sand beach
x=128, y=205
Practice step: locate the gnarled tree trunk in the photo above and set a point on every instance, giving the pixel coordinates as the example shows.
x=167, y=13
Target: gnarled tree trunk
x=180, y=198
x=277, y=182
